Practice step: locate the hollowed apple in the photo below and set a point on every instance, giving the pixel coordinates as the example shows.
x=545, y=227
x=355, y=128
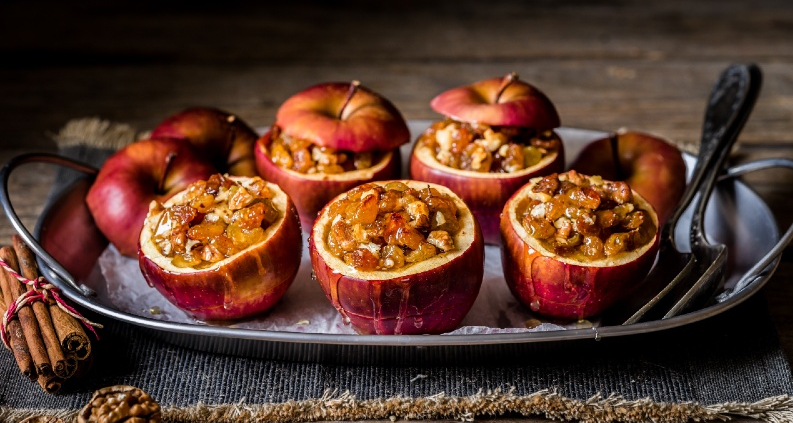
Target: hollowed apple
x=498, y=135
x=322, y=135
x=414, y=293
x=230, y=280
x=651, y=165
x=557, y=275
x=218, y=136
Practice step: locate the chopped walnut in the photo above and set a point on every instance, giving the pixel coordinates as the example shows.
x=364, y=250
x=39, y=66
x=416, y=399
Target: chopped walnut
x=586, y=217
x=382, y=227
x=120, y=403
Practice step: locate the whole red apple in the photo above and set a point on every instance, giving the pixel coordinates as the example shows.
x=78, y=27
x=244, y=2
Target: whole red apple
x=343, y=116
x=651, y=165
x=505, y=101
x=574, y=266
x=510, y=122
x=345, y=119
x=241, y=269
x=220, y=137
x=431, y=295
x=130, y=179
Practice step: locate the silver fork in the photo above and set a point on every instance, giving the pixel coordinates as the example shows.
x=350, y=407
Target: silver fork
x=731, y=100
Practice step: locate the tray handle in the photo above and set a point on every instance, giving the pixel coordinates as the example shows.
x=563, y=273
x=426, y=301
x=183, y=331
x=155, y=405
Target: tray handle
x=759, y=269
x=5, y=173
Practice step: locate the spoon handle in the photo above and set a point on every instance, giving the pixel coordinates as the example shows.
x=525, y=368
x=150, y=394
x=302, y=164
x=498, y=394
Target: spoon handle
x=731, y=101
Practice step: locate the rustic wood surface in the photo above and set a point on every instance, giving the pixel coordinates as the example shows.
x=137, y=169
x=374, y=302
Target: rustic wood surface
x=606, y=65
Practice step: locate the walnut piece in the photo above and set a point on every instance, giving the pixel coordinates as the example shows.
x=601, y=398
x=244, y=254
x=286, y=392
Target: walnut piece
x=122, y=404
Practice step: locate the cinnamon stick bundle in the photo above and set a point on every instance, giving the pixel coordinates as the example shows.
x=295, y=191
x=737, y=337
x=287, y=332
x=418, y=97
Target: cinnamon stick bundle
x=29, y=269
x=27, y=320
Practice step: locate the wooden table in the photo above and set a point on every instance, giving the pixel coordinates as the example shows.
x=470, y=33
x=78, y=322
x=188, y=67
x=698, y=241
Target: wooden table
x=606, y=65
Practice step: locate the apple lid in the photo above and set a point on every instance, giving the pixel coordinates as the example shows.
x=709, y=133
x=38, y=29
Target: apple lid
x=505, y=101
x=345, y=116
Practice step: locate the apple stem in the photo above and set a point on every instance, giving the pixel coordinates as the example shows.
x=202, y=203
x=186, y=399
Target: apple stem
x=354, y=85
x=506, y=82
x=615, y=155
x=168, y=160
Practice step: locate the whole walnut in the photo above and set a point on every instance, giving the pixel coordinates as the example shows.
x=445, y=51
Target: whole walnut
x=120, y=404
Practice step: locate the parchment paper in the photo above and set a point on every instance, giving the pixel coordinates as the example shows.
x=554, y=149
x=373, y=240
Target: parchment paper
x=305, y=308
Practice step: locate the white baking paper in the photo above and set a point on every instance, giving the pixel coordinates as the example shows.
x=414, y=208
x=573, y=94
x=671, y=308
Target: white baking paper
x=304, y=307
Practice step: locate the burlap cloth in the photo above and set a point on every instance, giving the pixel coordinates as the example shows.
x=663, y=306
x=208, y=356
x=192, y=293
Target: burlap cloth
x=728, y=365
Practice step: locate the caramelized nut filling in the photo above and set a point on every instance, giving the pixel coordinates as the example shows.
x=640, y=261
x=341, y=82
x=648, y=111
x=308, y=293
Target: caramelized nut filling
x=304, y=156
x=216, y=219
x=390, y=226
x=485, y=148
x=584, y=217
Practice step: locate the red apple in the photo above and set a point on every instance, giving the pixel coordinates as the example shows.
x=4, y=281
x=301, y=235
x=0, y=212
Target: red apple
x=507, y=106
x=129, y=180
x=568, y=283
x=498, y=101
x=246, y=283
x=651, y=165
x=344, y=117
x=429, y=296
x=220, y=137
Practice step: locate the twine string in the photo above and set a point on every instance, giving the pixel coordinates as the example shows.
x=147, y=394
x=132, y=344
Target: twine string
x=43, y=291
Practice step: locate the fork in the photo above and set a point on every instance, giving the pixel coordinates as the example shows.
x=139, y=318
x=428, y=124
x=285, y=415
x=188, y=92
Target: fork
x=731, y=100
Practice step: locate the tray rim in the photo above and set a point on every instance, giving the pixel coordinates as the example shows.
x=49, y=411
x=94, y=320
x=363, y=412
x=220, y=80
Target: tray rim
x=596, y=333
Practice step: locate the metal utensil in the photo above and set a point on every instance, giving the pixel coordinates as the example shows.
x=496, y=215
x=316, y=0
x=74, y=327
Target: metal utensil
x=731, y=100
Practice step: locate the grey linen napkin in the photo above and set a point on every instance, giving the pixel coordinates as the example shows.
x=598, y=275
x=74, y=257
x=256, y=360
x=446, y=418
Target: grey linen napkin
x=731, y=364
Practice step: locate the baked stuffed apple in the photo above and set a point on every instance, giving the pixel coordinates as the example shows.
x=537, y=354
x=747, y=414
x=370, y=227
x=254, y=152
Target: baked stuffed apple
x=497, y=134
x=398, y=257
x=574, y=244
x=224, y=248
x=327, y=139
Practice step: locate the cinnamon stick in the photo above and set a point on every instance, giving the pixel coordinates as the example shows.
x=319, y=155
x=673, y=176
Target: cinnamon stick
x=26, y=318
x=71, y=334
x=19, y=346
x=29, y=269
x=49, y=382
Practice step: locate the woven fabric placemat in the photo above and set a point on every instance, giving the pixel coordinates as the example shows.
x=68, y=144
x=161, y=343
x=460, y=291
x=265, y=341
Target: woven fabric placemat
x=730, y=364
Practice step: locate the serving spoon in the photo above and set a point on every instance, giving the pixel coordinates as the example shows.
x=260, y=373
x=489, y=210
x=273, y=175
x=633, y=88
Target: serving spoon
x=729, y=105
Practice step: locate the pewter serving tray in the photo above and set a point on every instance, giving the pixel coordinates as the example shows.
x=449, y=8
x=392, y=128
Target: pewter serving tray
x=735, y=216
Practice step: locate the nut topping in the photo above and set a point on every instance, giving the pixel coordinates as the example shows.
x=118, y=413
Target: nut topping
x=216, y=219
x=484, y=148
x=303, y=156
x=383, y=227
x=120, y=403
x=585, y=217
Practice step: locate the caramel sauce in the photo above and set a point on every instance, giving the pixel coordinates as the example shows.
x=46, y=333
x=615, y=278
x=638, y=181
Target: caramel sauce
x=388, y=227
x=585, y=218
x=216, y=219
x=303, y=156
x=485, y=148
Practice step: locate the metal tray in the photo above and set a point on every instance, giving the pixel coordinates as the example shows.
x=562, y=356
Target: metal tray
x=69, y=245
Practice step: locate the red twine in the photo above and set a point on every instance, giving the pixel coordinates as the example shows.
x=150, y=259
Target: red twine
x=42, y=291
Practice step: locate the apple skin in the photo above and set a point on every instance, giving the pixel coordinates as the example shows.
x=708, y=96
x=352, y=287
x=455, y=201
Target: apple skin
x=484, y=193
x=311, y=192
x=220, y=137
x=369, y=122
x=564, y=289
x=520, y=104
x=130, y=179
x=652, y=166
x=429, y=300
x=243, y=285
